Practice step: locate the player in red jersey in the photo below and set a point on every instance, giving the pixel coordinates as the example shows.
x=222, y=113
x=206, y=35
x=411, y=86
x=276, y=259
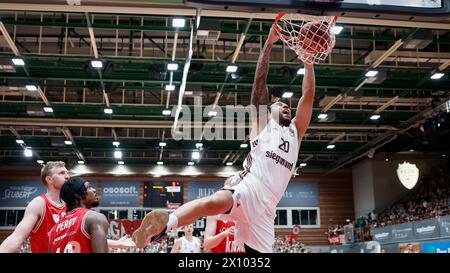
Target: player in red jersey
x=219, y=236
x=219, y=232
x=41, y=213
x=44, y=211
x=81, y=230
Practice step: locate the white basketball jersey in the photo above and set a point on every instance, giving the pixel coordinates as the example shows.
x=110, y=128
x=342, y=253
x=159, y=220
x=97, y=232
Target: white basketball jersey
x=271, y=161
x=187, y=246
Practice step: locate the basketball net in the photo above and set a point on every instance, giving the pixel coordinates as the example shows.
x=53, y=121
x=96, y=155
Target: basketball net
x=310, y=37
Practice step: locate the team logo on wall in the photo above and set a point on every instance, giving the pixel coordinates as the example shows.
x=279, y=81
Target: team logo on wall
x=408, y=174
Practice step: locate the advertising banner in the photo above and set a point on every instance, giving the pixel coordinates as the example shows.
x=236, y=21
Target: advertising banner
x=365, y=247
x=409, y=248
x=296, y=194
x=202, y=189
x=436, y=247
x=426, y=229
x=120, y=194
x=118, y=228
x=402, y=232
x=300, y=195
x=444, y=226
x=390, y=248
x=20, y=193
x=382, y=234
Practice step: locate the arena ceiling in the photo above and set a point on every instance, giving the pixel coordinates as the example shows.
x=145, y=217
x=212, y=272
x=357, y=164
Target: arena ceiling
x=136, y=42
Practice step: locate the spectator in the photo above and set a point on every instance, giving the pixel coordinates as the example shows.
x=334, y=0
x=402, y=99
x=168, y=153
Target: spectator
x=284, y=244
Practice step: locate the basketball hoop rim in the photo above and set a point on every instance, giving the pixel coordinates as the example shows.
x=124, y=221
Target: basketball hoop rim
x=286, y=37
x=277, y=28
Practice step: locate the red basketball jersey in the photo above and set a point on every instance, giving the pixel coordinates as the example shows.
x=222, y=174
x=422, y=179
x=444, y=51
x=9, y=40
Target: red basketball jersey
x=69, y=236
x=228, y=245
x=39, y=235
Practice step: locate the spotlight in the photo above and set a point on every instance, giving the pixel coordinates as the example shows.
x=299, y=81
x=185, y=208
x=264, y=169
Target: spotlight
x=437, y=76
x=232, y=68
x=96, y=64
x=178, y=22
x=375, y=117
x=331, y=146
x=287, y=94
x=172, y=66
x=31, y=87
x=28, y=152
x=170, y=87
x=48, y=109
x=371, y=73
x=322, y=116
x=18, y=61
x=195, y=155
x=301, y=71
x=160, y=163
x=337, y=29
x=117, y=154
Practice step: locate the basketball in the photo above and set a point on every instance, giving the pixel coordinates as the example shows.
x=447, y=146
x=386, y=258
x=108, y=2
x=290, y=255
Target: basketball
x=315, y=37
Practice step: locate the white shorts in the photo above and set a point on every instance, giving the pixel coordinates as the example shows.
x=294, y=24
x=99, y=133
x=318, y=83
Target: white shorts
x=254, y=217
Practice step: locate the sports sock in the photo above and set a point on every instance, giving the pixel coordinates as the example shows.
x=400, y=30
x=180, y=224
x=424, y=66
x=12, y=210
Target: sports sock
x=173, y=222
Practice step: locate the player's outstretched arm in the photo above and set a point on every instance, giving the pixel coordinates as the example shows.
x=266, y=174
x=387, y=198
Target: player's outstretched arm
x=211, y=239
x=260, y=92
x=305, y=104
x=32, y=214
x=124, y=242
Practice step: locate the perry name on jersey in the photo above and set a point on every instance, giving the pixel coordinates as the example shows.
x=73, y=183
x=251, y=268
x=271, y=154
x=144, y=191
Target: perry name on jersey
x=66, y=224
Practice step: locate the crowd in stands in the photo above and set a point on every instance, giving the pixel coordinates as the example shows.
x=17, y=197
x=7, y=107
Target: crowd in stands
x=430, y=199
x=284, y=244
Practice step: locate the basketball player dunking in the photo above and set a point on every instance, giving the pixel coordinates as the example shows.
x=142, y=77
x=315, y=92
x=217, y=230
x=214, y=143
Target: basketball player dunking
x=252, y=197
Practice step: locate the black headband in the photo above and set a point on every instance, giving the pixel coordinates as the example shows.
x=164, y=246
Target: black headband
x=70, y=188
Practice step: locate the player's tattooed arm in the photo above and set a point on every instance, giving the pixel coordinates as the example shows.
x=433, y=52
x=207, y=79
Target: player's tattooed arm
x=260, y=94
